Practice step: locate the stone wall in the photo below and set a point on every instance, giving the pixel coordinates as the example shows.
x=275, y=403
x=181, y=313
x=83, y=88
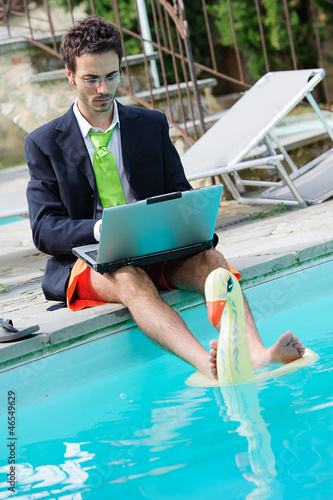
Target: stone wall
x=11, y=143
x=28, y=104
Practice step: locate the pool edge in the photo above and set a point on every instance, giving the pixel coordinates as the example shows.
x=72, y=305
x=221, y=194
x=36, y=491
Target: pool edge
x=106, y=324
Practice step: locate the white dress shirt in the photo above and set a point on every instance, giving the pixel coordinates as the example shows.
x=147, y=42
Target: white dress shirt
x=114, y=147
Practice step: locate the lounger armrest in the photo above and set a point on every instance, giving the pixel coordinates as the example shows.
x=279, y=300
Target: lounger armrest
x=259, y=162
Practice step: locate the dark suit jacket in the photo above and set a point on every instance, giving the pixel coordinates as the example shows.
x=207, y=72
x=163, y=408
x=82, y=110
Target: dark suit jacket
x=62, y=193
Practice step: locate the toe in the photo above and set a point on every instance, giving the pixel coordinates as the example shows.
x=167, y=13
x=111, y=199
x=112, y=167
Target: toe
x=213, y=370
x=285, y=339
x=213, y=344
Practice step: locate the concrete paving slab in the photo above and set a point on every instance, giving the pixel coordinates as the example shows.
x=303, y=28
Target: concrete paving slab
x=267, y=267
x=266, y=239
x=13, y=184
x=20, y=261
x=17, y=350
x=315, y=251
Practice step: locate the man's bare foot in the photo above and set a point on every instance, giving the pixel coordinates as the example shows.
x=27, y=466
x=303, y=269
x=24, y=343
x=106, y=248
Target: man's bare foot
x=286, y=349
x=212, y=360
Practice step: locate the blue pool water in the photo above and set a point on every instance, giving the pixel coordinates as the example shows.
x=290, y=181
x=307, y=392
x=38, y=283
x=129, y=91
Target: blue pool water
x=141, y=433
x=9, y=220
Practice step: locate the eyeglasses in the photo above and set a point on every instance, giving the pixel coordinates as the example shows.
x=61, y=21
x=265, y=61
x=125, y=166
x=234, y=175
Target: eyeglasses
x=109, y=81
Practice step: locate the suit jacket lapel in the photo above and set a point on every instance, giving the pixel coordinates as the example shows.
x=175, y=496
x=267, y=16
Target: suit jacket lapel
x=70, y=140
x=130, y=136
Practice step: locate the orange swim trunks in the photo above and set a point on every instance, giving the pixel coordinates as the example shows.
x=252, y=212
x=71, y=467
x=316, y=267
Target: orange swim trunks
x=81, y=272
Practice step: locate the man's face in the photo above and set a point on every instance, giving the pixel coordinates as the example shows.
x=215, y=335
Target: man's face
x=96, y=101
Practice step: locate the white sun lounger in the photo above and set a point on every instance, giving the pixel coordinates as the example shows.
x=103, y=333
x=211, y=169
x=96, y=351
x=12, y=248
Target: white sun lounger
x=226, y=147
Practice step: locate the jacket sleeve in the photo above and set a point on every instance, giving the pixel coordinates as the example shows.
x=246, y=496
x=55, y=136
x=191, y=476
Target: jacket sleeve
x=55, y=228
x=175, y=179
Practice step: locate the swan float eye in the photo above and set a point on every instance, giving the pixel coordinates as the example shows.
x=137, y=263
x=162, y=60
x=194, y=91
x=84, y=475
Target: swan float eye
x=230, y=285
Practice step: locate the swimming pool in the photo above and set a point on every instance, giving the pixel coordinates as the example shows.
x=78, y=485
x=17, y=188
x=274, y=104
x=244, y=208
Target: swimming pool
x=9, y=220
x=89, y=426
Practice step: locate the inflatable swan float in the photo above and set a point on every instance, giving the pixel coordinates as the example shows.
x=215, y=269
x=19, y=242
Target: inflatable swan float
x=224, y=300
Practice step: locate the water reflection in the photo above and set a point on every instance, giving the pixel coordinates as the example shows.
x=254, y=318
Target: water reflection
x=242, y=404
x=46, y=481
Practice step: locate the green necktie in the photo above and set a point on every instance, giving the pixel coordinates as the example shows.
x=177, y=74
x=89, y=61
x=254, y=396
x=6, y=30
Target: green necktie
x=106, y=173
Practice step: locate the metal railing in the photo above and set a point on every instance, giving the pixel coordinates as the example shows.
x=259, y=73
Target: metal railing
x=162, y=32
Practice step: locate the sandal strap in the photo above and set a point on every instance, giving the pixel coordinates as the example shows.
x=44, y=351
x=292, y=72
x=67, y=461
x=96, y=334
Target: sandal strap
x=7, y=324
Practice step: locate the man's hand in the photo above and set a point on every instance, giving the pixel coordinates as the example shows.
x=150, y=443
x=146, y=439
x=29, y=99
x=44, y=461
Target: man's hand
x=97, y=230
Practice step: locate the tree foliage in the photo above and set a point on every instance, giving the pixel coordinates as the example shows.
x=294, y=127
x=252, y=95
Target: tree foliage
x=275, y=29
x=243, y=16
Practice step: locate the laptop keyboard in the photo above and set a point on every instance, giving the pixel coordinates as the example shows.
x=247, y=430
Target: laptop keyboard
x=93, y=254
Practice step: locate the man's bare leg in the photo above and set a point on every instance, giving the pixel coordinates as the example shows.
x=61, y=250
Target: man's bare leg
x=133, y=288
x=190, y=274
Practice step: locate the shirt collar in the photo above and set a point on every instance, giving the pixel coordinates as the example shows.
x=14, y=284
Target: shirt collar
x=85, y=126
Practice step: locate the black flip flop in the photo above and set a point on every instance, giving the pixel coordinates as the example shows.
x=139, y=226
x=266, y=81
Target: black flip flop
x=8, y=332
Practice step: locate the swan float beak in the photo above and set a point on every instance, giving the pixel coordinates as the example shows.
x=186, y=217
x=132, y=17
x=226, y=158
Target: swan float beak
x=215, y=310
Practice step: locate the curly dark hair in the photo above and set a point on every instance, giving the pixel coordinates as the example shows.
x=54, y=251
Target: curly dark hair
x=90, y=35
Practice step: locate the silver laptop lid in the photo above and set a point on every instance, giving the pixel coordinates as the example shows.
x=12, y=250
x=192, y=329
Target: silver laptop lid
x=158, y=224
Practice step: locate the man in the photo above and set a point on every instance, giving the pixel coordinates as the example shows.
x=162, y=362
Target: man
x=68, y=190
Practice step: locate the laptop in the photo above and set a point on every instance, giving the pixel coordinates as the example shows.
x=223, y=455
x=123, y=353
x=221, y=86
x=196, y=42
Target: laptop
x=160, y=228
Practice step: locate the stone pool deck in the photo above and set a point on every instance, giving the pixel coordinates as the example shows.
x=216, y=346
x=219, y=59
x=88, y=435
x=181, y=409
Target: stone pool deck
x=256, y=247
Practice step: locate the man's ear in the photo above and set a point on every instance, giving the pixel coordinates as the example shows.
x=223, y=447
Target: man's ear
x=70, y=76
